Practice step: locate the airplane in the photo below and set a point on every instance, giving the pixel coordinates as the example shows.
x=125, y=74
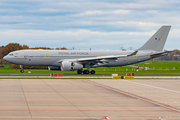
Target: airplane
x=76, y=60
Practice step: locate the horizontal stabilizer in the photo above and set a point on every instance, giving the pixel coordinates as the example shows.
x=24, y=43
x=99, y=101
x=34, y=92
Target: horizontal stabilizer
x=160, y=54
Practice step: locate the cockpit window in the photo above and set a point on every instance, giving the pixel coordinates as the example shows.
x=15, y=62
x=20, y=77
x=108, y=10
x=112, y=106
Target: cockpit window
x=11, y=54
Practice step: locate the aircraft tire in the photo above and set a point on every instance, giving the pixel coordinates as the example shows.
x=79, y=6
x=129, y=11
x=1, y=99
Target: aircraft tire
x=21, y=70
x=93, y=72
x=79, y=72
x=86, y=72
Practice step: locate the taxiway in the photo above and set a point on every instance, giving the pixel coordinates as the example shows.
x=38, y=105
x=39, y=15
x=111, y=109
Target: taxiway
x=89, y=99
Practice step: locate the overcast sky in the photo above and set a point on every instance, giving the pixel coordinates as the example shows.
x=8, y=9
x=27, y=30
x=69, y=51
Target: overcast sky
x=85, y=24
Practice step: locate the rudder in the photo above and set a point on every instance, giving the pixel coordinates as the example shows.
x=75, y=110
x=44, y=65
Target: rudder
x=157, y=41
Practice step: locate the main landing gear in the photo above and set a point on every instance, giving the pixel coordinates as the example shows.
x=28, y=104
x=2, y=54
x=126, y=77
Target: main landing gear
x=22, y=70
x=86, y=72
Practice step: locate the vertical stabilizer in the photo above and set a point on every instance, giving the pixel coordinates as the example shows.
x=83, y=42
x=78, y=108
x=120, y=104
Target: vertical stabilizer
x=157, y=41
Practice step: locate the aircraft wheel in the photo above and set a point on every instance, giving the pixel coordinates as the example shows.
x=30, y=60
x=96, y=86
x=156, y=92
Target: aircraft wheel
x=79, y=71
x=21, y=70
x=92, y=71
x=86, y=72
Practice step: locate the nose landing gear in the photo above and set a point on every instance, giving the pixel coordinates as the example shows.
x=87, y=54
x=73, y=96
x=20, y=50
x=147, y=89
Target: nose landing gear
x=22, y=70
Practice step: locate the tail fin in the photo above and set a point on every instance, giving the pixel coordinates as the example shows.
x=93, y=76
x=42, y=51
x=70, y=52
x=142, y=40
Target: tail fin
x=157, y=41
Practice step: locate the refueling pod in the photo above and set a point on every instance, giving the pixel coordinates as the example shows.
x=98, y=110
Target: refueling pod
x=54, y=68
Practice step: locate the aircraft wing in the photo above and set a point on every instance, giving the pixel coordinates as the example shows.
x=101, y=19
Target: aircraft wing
x=102, y=58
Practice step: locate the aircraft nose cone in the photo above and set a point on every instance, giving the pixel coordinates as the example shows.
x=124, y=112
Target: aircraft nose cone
x=5, y=58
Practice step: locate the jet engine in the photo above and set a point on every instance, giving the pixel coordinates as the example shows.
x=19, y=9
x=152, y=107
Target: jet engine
x=70, y=66
x=54, y=68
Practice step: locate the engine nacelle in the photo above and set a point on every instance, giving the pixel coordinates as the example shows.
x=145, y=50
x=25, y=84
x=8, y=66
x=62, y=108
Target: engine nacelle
x=54, y=68
x=70, y=66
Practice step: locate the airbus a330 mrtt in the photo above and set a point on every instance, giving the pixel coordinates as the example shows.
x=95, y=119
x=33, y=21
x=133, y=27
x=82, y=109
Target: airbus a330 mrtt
x=70, y=60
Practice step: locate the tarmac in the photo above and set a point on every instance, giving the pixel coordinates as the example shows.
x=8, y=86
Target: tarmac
x=90, y=99
x=83, y=77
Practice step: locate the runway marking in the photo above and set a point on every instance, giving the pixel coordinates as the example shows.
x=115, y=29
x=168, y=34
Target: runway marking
x=25, y=98
x=175, y=110
x=169, y=102
x=152, y=86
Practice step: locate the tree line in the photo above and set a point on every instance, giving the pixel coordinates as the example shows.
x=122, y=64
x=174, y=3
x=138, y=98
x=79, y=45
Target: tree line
x=174, y=55
x=4, y=50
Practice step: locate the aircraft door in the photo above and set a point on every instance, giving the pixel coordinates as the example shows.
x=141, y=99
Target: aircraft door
x=135, y=56
x=21, y=55
x=46, y=55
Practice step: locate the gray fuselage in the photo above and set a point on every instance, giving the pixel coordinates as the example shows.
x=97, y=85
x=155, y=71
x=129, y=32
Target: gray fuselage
x=54, y=57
